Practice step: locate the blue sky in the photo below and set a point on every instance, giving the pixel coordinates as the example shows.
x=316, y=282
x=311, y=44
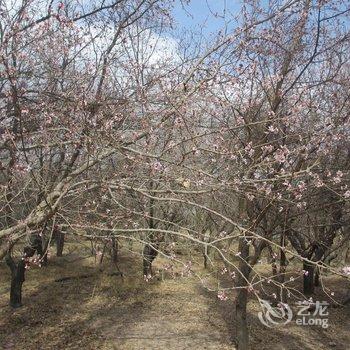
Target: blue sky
x=200, y=13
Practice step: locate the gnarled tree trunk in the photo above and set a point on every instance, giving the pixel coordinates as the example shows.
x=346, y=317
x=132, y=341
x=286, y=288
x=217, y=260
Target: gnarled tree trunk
x=18, y=270
x=17, y=279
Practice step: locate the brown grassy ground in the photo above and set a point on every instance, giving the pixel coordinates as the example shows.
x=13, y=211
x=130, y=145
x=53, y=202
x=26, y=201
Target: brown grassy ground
x=107, y=312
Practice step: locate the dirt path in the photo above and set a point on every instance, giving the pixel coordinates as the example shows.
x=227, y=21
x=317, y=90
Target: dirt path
x=172, y=316
x=106, y=312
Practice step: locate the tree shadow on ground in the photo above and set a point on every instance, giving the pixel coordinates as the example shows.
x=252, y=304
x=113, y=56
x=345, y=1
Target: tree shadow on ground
x=106, y=311
x=288, y=337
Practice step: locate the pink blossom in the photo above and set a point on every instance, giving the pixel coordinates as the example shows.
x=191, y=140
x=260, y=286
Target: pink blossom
x=157, y=166
x=272, y=129
x=224, y=270
x=280, y=156
x=346, y=270
x=222, y=295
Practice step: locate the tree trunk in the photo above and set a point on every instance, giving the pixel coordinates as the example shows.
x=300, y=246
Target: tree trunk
x=100, y=249
x=59, y=243
x=205, y=258
x=282, y=270
x=45, y=251
x=242, y=296
x=17, y=279
x=114, y=250
x=308, y=278
x=317, y=277
x=149, y=254
x=241, y=315
x=272, y=261
x=206, y=248
x=18, y=271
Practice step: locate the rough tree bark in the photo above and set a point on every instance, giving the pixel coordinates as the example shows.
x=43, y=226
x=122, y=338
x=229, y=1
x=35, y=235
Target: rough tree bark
x=149, y=254
x=242, y=295
x=114, y=250
x=59, y=243
x=17, y=279
x=18, y=270
x=317, y=277
x=309, y=280
x=282, y=269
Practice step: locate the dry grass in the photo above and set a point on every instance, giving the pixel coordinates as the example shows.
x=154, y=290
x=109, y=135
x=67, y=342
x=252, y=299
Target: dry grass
x=108, y=312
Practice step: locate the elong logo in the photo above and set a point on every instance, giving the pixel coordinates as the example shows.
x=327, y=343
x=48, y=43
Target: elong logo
x=282, y=314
